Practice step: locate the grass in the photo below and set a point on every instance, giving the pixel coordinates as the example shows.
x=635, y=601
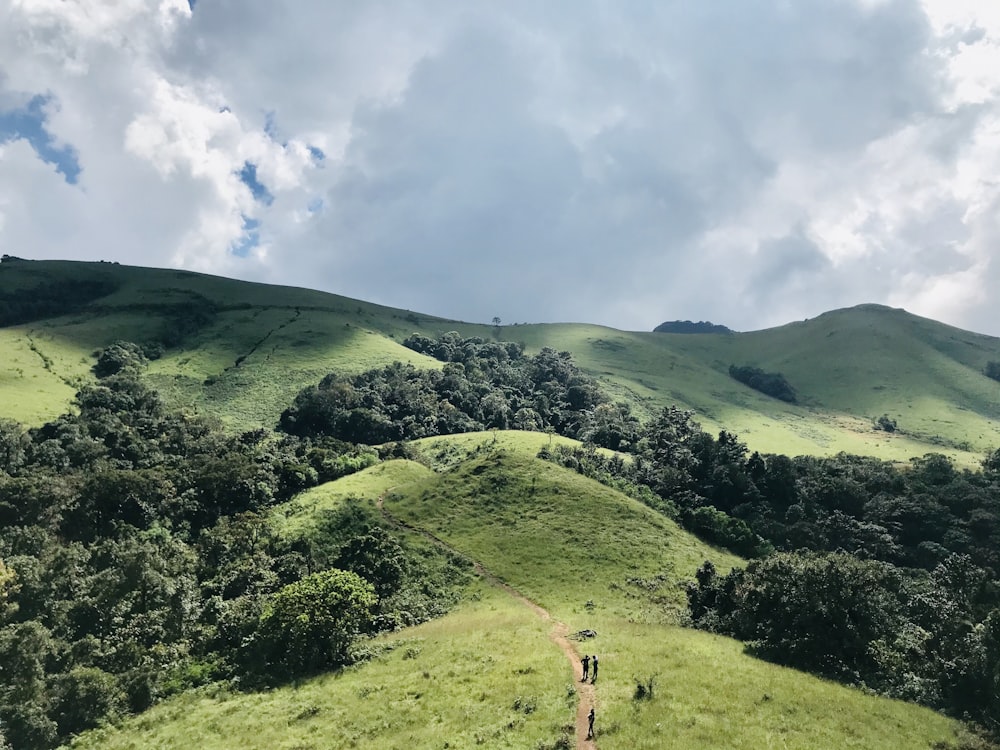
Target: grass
x=485, y=675
x=488, y=674
x=265, y=343
x=709, y=694
x=296, y=515
x=511, y=511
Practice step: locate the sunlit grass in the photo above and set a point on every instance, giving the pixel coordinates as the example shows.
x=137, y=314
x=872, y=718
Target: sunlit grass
x=707, y=693
x=484, y=675
x=488, y=673
x=266, y=343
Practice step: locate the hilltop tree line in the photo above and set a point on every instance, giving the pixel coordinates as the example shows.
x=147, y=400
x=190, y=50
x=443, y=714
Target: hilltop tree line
x=51, y=300
x=137, y=559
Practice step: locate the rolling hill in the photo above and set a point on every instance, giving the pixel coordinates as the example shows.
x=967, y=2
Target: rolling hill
x=556, y=553
x=240, y=351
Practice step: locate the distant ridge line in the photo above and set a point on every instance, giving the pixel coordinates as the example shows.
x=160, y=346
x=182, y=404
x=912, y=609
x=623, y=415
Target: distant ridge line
x=686, y=326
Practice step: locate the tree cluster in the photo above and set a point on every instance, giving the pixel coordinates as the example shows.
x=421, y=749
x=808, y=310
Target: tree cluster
x=482, y=385
x=686, y=326
x=137, y=559
x=924, y=636
x=51, y=299
x=772, y=384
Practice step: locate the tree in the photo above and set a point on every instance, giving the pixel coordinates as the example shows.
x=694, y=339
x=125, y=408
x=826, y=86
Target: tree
x=773, y=384
x=820, y=612
x=376, y=557
x=309, y=625
x=83, y=697
x=121, y=355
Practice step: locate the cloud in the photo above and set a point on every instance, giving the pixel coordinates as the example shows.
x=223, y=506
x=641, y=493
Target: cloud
x=617, y=164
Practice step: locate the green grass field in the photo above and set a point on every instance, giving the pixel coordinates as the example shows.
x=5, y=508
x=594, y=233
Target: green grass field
x=263, y=343
x=484, y=676
x=489, y=674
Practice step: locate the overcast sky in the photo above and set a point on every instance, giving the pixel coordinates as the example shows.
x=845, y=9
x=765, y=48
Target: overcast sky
x=748, y=162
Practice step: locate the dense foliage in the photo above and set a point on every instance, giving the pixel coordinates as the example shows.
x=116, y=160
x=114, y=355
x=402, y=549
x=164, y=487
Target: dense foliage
x=686, y=326
x=50, y=300
x=483, y=385
x=924, y=636
x=773, y=384
x=137, y=559
x=886, y=577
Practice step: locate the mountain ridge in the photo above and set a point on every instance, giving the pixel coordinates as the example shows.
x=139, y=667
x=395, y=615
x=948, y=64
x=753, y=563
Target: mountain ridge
x=241, y=350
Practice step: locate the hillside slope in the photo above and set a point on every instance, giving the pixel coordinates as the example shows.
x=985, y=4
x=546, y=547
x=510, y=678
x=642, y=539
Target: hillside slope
x=490, y=674
x=240, y=351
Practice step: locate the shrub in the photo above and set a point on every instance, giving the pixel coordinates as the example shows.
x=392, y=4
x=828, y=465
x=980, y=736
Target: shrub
x=310, y=625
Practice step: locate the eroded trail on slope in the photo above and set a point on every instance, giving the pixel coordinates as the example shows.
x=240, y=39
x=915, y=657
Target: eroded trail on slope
x=559, y=634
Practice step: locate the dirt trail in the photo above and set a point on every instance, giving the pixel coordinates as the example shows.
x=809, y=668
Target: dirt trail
x=559, y=634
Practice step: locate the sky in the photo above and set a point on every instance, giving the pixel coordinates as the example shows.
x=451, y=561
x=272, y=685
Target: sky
x=747, y=162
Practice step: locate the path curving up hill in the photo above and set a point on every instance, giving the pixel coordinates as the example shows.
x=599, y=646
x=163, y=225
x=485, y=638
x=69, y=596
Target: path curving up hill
x=559, y=634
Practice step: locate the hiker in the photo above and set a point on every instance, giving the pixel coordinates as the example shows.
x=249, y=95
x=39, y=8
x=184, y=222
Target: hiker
x=586, y=666
x=593, y=673
x=590, y=724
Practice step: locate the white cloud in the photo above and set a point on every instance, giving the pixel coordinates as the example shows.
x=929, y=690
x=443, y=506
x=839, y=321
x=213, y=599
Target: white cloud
x=618, y=164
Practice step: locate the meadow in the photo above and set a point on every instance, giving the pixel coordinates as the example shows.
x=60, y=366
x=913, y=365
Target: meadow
x=241, y=351
x=489, y=673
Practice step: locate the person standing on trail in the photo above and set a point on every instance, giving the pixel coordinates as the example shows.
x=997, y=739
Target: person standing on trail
x=593, y=672
x=585, y=661
x=590, y=724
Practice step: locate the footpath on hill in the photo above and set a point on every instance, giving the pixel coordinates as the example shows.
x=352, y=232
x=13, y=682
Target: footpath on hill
x=559, y=634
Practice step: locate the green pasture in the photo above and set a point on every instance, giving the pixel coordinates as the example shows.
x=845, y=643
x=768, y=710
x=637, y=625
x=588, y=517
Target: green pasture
x=559, y=538
x=708, y=693
x=264, y=343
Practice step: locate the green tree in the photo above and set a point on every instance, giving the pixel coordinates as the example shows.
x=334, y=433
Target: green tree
x=376, y=557
x=310, y=625
x=84, y=696
x=120, y=356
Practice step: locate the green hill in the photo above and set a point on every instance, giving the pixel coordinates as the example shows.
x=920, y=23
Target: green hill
x=240, y=351
x=491, y=672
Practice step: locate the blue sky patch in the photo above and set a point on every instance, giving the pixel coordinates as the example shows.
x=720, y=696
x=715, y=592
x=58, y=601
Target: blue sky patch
x=28, y=122
x=317, y=154
x=249, y=240
x=249, y=177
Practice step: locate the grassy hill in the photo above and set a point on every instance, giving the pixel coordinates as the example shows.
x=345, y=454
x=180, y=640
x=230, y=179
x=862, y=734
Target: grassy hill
x=490, y=673
x=240, y=351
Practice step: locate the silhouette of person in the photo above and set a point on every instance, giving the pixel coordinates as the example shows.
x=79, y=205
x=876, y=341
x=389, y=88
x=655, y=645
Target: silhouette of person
x=590, y=724
x=593, y=669
x=586, y=666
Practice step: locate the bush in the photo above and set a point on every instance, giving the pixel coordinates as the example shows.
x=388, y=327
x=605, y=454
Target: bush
x=886, y=424
x=120, y=356
x=644, y=689
x=310, y=625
